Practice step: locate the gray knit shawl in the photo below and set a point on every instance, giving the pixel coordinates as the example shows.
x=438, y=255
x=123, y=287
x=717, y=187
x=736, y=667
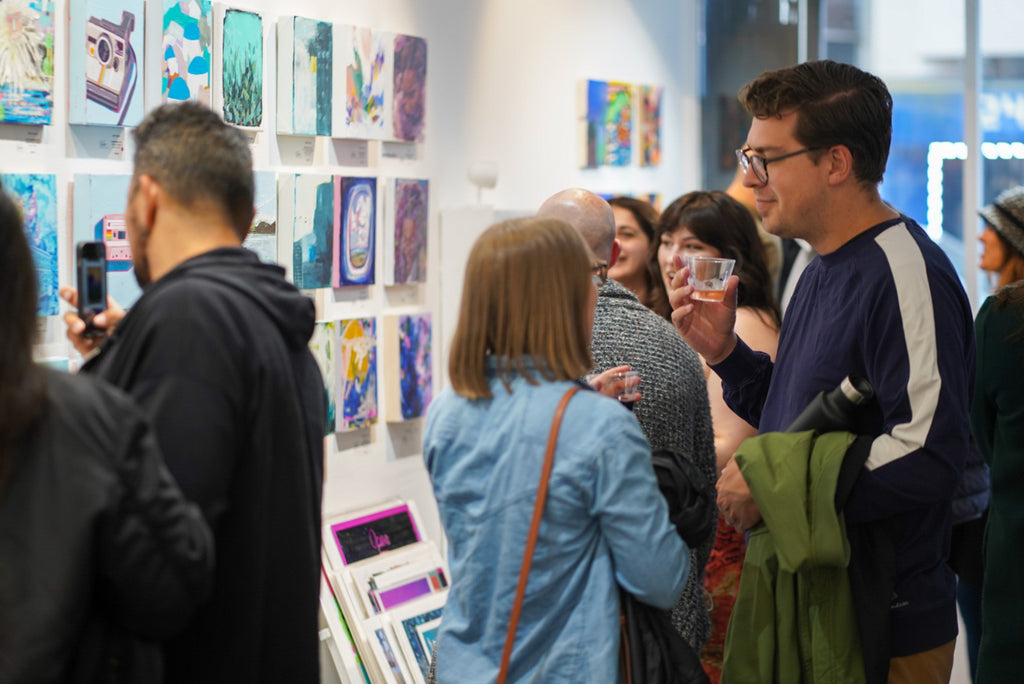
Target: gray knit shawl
x=674, y=413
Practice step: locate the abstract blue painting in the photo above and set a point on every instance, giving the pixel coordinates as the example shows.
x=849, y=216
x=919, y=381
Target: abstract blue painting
x=407, y=365
x=355, y=230
x=312, y=217
x=36, y=197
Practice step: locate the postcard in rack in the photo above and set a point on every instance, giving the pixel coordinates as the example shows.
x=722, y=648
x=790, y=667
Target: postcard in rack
x=355, y=536
x=416, y=624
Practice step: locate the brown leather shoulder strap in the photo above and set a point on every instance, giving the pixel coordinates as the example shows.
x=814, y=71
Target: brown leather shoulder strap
x=531, y=540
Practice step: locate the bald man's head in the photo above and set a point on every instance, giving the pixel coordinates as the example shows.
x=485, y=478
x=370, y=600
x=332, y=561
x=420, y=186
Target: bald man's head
x=588, y=214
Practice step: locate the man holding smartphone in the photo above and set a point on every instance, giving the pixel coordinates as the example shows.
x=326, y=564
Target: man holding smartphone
x=215, y=352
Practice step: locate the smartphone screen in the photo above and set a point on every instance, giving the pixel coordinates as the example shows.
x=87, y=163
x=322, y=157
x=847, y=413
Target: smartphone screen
x=91, y=260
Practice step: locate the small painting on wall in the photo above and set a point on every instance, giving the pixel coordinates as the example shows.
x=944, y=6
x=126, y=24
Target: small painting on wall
x=262, y=237
x=405, y=240
x=187, y=39
x=410, y=67
x=242, y=68
x=26, y=61
x=305, y=89
x=98, y=214
x=650, y=124
x=106, y=62
x=355, y=230
x=364, y=58
x=357, y=364
x=407, y=366
x=606, y=123
x=36, y=197
x=324, y=345
x=307, y=205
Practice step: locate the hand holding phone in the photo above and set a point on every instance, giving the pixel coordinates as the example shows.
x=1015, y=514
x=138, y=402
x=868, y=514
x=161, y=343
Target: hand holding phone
x=91, y=269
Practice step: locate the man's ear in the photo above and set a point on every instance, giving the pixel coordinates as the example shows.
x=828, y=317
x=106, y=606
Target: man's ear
x=840, y=162
x=149, y=196
x=616, y=250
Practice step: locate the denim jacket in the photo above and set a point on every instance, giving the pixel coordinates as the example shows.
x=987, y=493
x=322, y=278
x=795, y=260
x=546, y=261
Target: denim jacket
x=605, y=523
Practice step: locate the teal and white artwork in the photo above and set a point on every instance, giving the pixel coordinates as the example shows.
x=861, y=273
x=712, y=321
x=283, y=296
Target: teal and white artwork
x=36, y=197
x=106, y=62
x=305, y=67
x=187, y=41
x=242, y=68
x=98, y=205
x=324, y=345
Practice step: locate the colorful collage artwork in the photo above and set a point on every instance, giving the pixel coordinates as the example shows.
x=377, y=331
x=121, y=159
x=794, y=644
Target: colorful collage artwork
x=407, y=366
x=357, y=364
x=98, y=204
x=410, y=87
x=363, y=68
x=324, y=345
x=26, y=61
x=355, y=230
x=106, y=61
x=36, y=197
x=305, y=87
x=242, y=68
x=262, y=237
x=405, y=239
x=650, y=125
x=187, y=38
x=608, y=122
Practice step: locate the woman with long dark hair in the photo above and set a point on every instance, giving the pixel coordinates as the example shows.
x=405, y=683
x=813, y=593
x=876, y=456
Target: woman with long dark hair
x=95, y=538
x=714, y=224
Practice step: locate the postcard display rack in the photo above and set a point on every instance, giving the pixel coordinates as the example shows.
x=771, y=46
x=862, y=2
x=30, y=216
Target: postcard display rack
x=384, y=586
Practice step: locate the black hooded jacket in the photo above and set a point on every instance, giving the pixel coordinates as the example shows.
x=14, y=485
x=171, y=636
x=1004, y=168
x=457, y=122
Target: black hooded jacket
x=216, y=354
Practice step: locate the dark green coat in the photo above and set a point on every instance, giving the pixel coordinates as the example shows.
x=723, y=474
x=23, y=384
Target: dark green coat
x=997, y=420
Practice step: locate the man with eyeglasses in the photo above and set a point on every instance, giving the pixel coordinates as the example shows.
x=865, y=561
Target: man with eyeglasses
x=673, y=412
x=881, y=301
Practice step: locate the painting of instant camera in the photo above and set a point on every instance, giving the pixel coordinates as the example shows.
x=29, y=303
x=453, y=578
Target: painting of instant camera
x=109, y=61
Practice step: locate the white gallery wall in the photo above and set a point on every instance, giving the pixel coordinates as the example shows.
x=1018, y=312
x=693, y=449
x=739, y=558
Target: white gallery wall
x=501, y=88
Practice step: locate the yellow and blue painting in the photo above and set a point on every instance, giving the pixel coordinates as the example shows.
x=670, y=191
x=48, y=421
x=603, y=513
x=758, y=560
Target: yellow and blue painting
x=242, y=68
x=187, y=40
x=106, y=62
x=357, y=365
x=98, y=214
x=355, y=230
x=26, y=61
x=324, y=346
x=36, y=197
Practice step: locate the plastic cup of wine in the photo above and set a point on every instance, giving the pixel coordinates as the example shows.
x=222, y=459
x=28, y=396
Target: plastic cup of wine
x=629, y=393
x=708, y=276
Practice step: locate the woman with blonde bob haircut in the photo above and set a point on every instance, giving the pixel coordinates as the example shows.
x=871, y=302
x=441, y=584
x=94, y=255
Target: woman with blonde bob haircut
x=521, y=341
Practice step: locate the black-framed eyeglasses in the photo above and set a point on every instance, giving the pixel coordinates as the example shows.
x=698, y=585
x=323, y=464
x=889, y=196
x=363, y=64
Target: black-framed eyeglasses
x=759, y=164
x=599, y=272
